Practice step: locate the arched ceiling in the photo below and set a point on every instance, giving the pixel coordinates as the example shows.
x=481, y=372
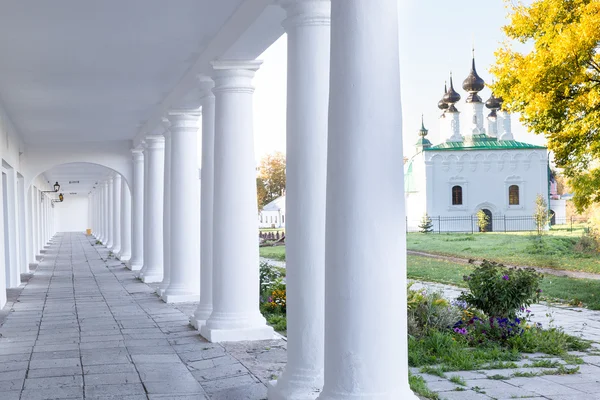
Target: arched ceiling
x=77, y=178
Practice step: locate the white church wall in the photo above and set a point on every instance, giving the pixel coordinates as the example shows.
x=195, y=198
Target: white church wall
x=559, y=208
x=485, y=177
x=72, y=214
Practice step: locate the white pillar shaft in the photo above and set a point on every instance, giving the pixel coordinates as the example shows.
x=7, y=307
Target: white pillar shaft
x=308, y=32
x=105, y=216
x=153, y=203
x=36, y=222
x=137, y=212
x=184, y=242
x=125, y=254
x=365, y=337
x=205, y=307
x=162, y=287
x=42, y=221
x=110, y=214
x=235, y=313
x=116, y=214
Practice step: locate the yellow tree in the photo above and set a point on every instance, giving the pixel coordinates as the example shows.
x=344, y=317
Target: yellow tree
x=271, y=178
x=556, y=84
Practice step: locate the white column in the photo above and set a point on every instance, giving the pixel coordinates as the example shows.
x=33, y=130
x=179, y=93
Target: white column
x=31, y=226
x=137, y=212
x=110, y=214
x=205, y=307
x=42, y=232
x=184, y=285
x=235, y=313
x=164, y=284
x=153, y=204
x=116, y=188
x=105, y=216
x=308, y=33
x=125, y=253
x=365, y=333
x=36, y=223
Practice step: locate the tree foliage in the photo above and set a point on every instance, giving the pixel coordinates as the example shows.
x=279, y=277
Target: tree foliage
x=271, y=178
x=426, y=225
x=556, y=85
x=541, y=214
x=483, y=221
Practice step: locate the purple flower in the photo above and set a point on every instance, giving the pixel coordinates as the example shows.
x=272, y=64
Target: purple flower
x=461, y=331
x=527, y=311
x=505, y=277
x=539, y=290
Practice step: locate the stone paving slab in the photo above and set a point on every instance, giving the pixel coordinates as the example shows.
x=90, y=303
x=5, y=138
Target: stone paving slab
x=82, y=326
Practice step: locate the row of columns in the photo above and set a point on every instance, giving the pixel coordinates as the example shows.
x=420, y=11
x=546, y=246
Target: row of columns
x=344, y=154
x=110, y=203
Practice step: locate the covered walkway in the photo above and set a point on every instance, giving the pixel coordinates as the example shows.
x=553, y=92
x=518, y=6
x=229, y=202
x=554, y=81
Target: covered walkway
x=84, y=326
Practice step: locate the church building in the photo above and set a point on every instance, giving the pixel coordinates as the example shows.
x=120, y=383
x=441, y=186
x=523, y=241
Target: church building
x=477, y=167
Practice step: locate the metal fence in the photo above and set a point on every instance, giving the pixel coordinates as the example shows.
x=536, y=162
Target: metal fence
x=468, y=224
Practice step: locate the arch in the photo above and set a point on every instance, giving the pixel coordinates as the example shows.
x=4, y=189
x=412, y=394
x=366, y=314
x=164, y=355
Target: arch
x=489, y=226
x=115, y=155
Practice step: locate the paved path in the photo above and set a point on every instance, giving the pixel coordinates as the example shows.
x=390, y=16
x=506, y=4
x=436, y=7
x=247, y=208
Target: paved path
x=84, y=326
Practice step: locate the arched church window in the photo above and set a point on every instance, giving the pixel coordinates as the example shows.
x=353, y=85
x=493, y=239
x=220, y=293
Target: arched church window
x=513, y=195
x=457, y=199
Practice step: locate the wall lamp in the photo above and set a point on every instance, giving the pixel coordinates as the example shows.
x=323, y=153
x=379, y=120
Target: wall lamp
x=60, y=199
x=56, y=189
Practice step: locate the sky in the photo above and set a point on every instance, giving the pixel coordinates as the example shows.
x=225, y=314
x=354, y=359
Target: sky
x=436, y=37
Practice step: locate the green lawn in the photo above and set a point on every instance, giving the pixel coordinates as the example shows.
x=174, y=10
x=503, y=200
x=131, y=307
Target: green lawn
x=274, y=253
x=569, y=290
x=557, y=249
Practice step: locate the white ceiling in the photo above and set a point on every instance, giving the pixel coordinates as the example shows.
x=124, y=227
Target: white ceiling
x=87, y=175
x=80, y=71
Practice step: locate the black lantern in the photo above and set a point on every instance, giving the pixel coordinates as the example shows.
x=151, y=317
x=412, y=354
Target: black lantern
x=56, y=187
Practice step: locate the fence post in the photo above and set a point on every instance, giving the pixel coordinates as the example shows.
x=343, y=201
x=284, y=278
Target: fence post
x=505, y=224
x=472, y=227
x=439, y=224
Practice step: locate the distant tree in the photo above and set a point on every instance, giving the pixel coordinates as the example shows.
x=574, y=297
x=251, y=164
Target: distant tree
x=261, y=193
x=556, y=85
x=271, y=177
x=541, y=214
x=483, y=221
x=426, y=225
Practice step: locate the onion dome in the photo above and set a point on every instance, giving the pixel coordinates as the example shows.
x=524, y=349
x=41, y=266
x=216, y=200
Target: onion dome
x=451, y=97
x=493, y=103
x=473, y=84
x=442, y=105
x=423, y=141
x=423, y=131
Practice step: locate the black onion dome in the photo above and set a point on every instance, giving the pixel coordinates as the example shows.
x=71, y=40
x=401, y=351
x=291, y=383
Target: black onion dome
x=473, y=83
x=451, y=95
x=493, y=103
x=442, y=105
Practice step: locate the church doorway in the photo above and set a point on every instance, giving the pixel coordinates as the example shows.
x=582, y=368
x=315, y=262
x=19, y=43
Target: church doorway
x=488, y=227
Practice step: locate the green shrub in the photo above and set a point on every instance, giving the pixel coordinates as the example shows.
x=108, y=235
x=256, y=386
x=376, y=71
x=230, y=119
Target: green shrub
x=271, y=278
x=429, y=310
x=499, y=291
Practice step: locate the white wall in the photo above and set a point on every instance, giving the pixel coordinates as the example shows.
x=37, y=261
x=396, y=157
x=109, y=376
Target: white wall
x=72, y=214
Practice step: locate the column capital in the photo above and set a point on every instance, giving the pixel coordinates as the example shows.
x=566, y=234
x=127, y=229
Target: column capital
x=155, y=142
x=306, y=13
x=137, y=154
x=234, y=75
x=183, y=119
x=205, y=87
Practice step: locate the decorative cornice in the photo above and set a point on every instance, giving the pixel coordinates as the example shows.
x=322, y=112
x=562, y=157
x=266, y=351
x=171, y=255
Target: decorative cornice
x=234, y=76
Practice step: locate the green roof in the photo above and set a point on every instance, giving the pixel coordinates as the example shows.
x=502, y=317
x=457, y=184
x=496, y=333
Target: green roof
x=484, y=142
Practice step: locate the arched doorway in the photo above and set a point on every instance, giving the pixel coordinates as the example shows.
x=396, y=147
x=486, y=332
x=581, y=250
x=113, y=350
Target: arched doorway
x=552, y=217
x=489, y=226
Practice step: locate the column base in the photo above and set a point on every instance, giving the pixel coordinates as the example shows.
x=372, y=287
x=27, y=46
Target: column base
x=282, y=391
x=33, y=266
x=201, y=315
x=404, y=394
x=179, y=297
x=124, y=257
x=237, y=335
x=39, y=257
x=146, y=278
x=116, y=251
x=133, y=266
